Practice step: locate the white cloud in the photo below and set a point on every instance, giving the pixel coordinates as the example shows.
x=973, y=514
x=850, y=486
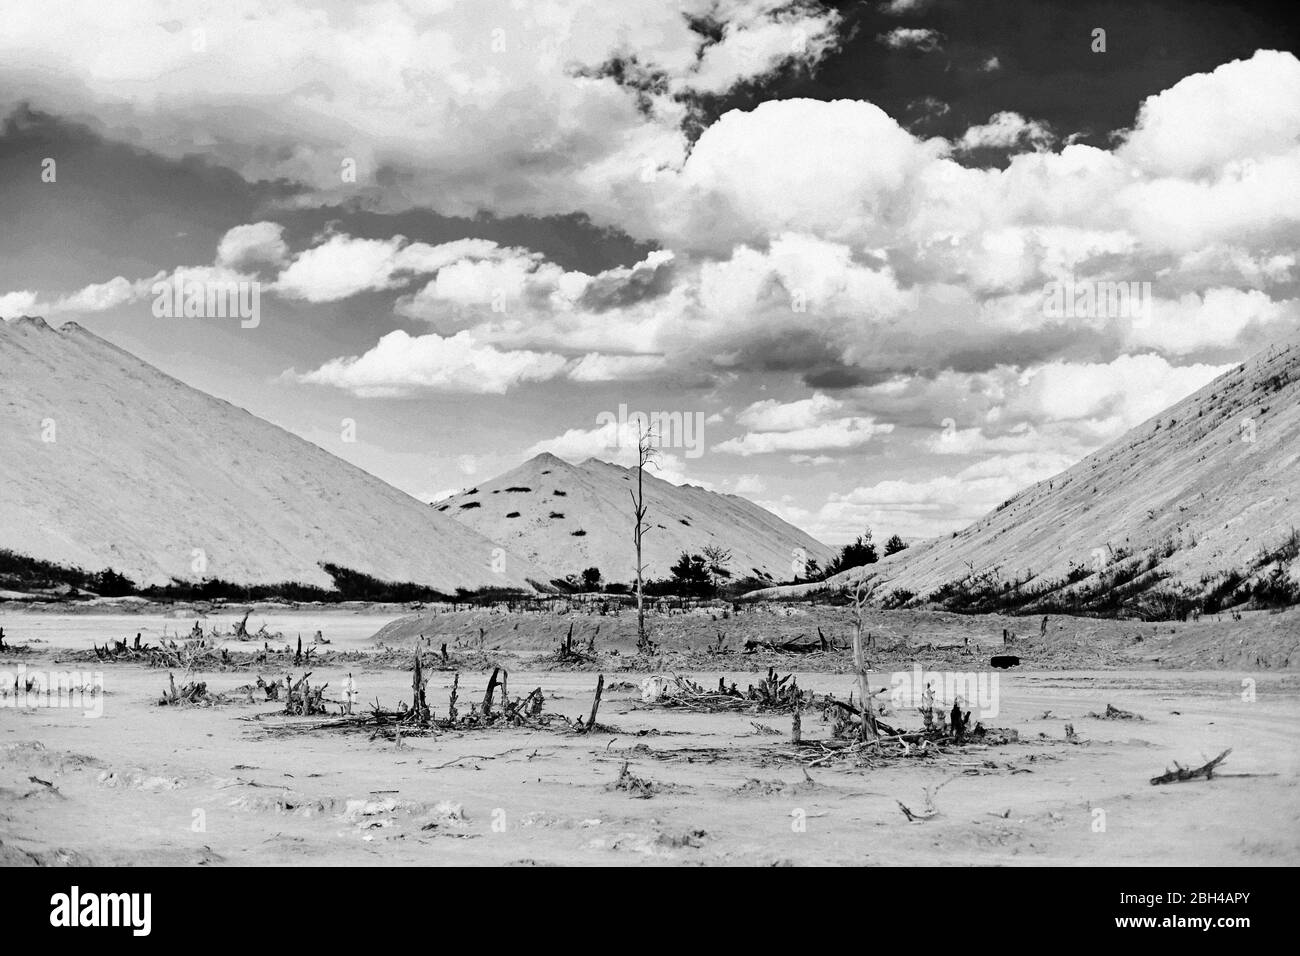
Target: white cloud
x=284, y=91
x=17, y=303
x=921, y=38
x=577, y=444
x=751, y=48
x=827, y=169
x=922, y=509
x=838, y=433
x=1129, y=389
x=1215, y=320
x=614, y=443
x=340, y=267
x=773, y=416
x=1004, y=131
x=401, y=364
x=96, y=297
x=595, y=367
x=251, y=244
x=1246, y=109
x=900, y=7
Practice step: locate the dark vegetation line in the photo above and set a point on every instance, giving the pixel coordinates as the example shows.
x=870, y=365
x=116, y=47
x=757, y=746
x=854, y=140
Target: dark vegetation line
x=19, y=572
x=1130, y=585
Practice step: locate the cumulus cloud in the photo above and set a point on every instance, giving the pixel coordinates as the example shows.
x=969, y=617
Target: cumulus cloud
x=1005, y=130
x=340, y=267
x=802, y=239
x=252, y=244
x=22, y=302
x=920, y=38
x=402, y=364
x=617, y=443
x=595, y=367
x=827, y=169
x=1129, y=389
x=1243, y=110
x=773, y=416
x=923, y=508
x=388, y=92
x=900, y=7
x=758, y=44
x=1218, y=319
x=850, y=432
x=96, y=297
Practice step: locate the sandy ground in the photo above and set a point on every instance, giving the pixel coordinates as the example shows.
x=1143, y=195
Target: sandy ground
x=240, y=784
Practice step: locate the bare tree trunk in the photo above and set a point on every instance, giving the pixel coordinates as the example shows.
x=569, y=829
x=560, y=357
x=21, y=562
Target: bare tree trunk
x=595, y=704
x=640, y=595
x=645, y=456
x=867, y=727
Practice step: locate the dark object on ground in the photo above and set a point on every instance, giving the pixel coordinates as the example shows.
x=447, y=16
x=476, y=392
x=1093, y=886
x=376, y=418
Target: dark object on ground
x=958, y=723
x=1005, y=660
x=1114, y=713
x=1180, y=774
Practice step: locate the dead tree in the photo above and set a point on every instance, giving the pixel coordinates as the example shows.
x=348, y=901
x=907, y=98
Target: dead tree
x=1181, y=774
x=419, y=704
x=646, y=452
x=595, y=703
x=487, y=696
x=867, y=729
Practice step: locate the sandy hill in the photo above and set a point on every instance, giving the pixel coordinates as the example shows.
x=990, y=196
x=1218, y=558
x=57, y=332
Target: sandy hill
x=1203, y=499
x=143, y=470
x=566, y=518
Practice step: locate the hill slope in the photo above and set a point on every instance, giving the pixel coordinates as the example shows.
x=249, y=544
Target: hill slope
x=566, y=518
x=1202, y=499
x=143, y=470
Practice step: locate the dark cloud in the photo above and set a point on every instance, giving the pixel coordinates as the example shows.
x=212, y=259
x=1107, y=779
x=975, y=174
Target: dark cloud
x=839, y=377
x=112, y=209
x=625, y=289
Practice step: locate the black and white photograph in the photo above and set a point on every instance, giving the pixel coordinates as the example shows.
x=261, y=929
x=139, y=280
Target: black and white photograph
x=651, y=434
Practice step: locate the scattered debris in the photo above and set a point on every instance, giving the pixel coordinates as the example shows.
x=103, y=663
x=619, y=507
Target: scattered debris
x=931, y=810
x=566, y=653
x=1181, y=774
x=692, y=838
x=192, y=694
x=638, y=787
x=773, y=693
x=1114, y=713
x=419, y=718
x=303, y=700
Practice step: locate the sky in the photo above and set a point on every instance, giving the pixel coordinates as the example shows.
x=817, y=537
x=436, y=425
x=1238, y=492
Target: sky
x=892, y=260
